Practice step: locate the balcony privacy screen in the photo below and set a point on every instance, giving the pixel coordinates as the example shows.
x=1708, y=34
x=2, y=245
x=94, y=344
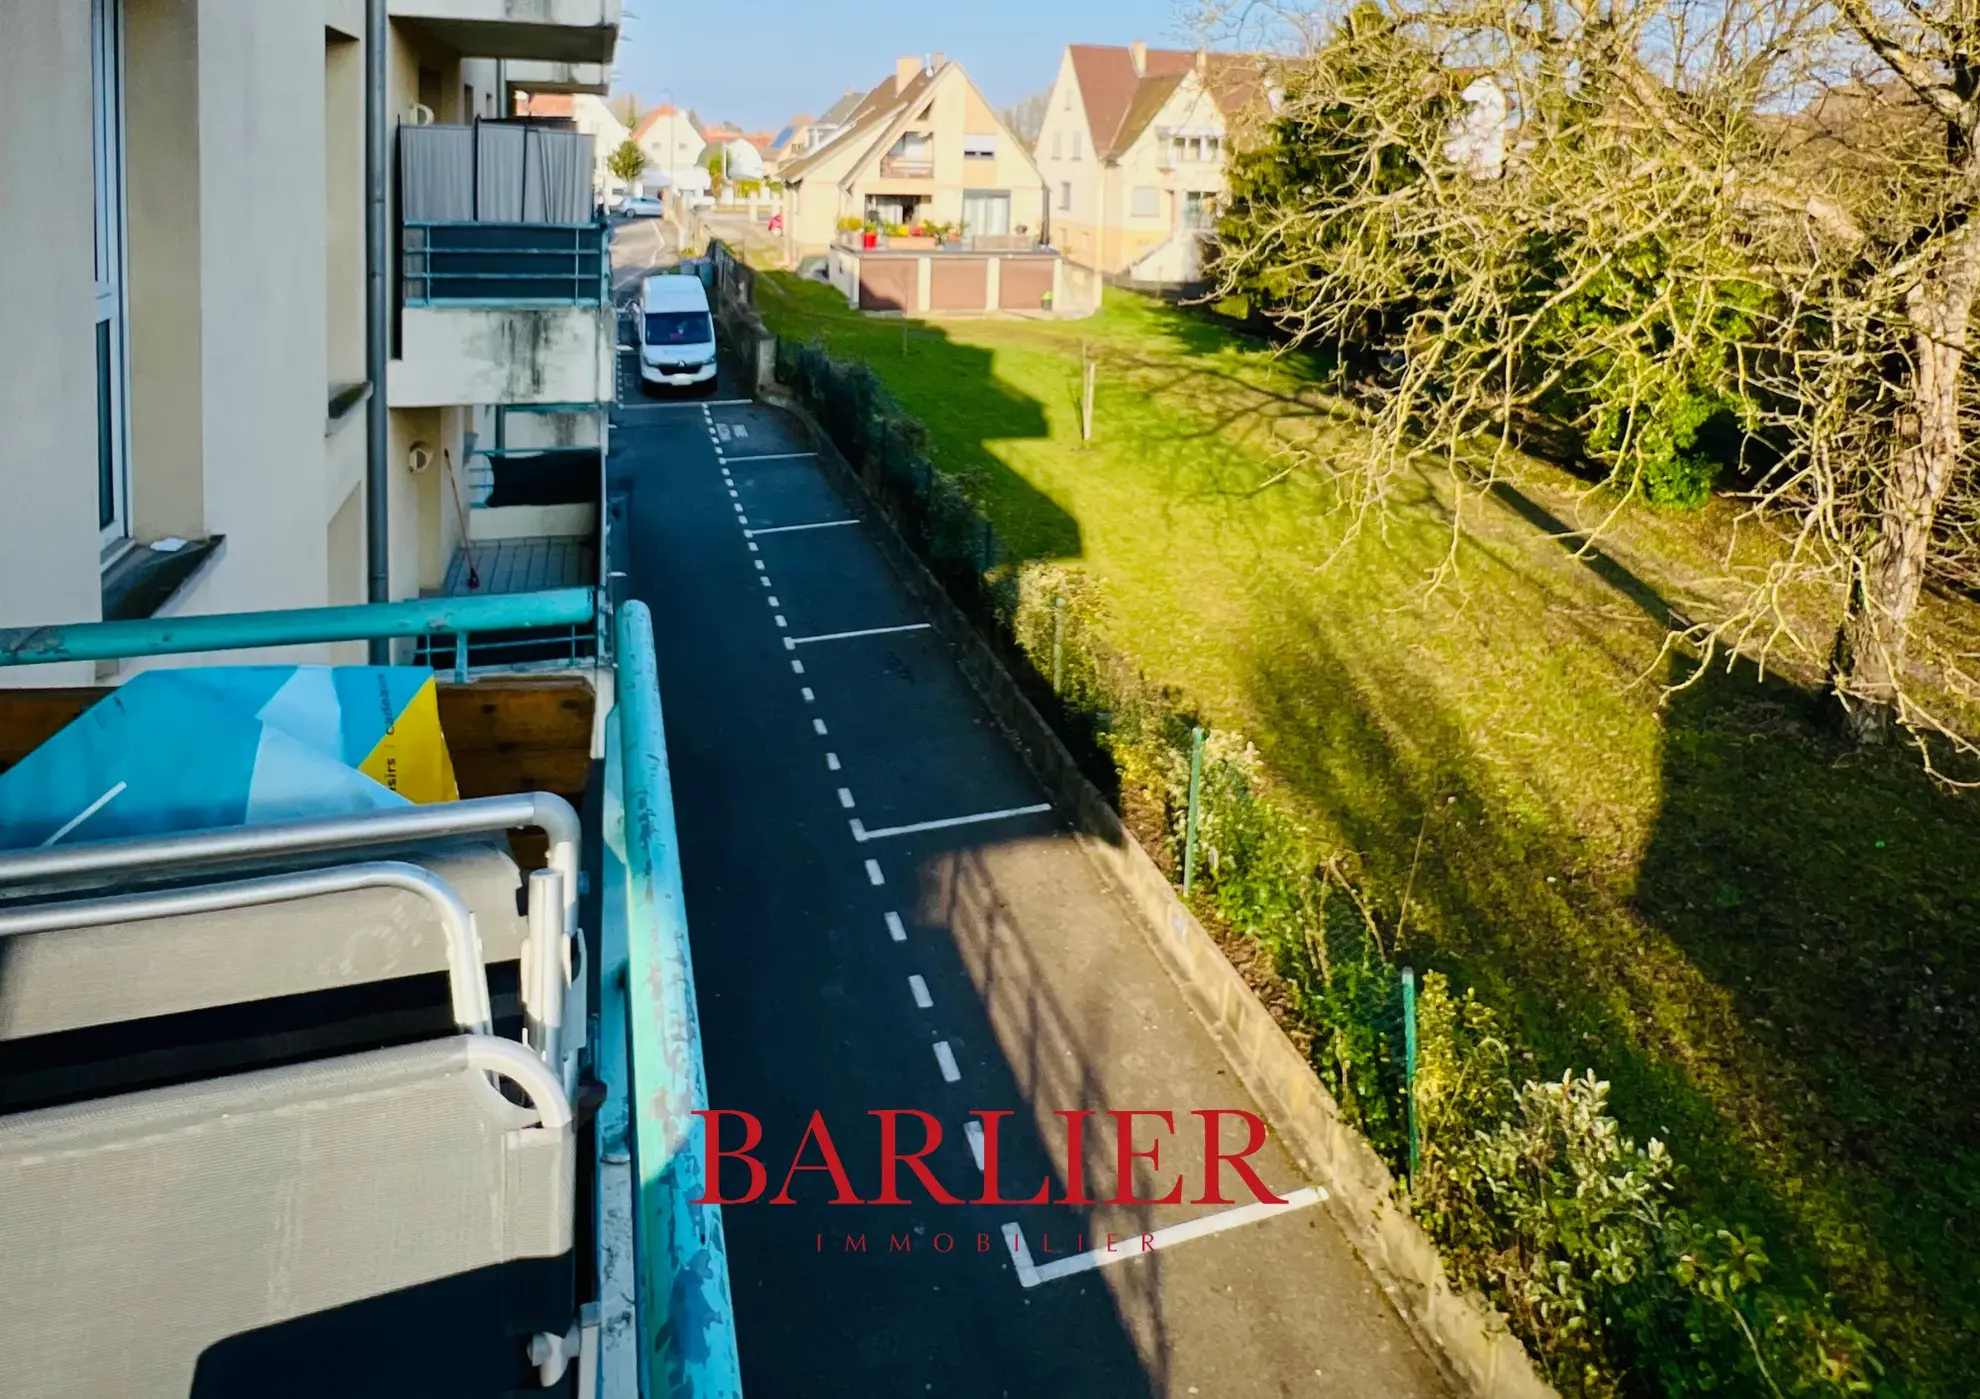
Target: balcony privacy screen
x=494, y=172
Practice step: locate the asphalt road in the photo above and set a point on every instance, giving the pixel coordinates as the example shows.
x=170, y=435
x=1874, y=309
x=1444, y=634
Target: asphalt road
x=945, y=968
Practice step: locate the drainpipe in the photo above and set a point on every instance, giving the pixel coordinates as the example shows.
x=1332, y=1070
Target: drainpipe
x=377, y=318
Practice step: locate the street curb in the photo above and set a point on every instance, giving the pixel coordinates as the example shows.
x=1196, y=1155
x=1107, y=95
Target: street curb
x=1479, y=1353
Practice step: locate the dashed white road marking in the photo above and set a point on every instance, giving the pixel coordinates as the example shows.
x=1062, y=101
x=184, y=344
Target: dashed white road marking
x=894, y=928
x=780, y=620
x=873, y=875
x=758, y=562
x=831, y=762
x=819, y=524
x=846, y=798
x=1030, y=1274
x=849, y=635
x=797, y=667
x=919, y=990
x=860, y=833
x=818, y=727
x=752, y=547
x=765, y=580
x=808, y=696
x=946, y=1057
x=742, y=519
x=974, y=1131
x=772, y=600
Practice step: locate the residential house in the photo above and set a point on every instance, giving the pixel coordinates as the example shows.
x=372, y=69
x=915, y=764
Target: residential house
x=588, y=113
x=835, y=120
x=922, y=146
x=672, y=141
x=789, y=143
x=1132, y=149
x=183, y=377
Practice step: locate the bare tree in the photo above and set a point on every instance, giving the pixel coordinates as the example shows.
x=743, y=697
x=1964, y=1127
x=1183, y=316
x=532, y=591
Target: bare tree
x=1754, y=208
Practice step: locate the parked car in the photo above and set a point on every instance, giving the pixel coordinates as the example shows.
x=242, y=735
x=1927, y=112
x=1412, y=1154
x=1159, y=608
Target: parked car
x=676, y=333
x=639, y=206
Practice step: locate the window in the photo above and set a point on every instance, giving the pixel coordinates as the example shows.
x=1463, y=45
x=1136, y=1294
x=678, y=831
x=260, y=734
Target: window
x=1213, y=148
x=986, y=211
x=679, y=328
x=1199, y=210
x=107, y=123
x=982, y=146
x=1058, y=145
x=1145, y=202
x=1079, y=143
x=1065, y=197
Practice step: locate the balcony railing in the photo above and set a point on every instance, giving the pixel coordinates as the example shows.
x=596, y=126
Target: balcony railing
x=906, y=168
x=504, y=264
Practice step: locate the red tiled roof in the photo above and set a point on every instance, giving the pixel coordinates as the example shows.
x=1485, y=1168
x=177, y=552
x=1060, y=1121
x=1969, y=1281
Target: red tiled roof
x=1108, y=84
x=1120, y=103
x=548, y=104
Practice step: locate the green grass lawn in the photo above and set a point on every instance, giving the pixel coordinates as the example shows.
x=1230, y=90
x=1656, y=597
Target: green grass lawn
x=1766, y=941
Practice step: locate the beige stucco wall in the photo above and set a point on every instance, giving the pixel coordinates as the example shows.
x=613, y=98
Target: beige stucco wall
x=475, y=354
x=48, y=554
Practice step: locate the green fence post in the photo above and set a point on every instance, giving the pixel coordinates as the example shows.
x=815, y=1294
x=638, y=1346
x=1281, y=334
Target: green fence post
x=1058, y=644
x=1409, y=1064
x=1195, y=801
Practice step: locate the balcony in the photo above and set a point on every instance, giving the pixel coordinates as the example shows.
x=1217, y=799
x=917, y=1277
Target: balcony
x=503, y=313
x=895, y=167
x=538, y=76
x=556, y=31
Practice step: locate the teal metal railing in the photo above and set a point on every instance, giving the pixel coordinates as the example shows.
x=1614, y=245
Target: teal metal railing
x=504, y=264
x=240, y=631
x=687, y=1333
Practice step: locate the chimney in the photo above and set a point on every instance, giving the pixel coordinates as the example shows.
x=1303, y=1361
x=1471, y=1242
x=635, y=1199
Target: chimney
x=905, y=71
x=1202, y=62
x=940, y=59
x=1138, y=55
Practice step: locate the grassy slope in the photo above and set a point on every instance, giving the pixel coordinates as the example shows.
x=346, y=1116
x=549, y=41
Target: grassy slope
x=1763, y=940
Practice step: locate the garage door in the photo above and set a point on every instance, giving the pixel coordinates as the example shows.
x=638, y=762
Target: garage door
x=887, y=283
x=958, y=283
x=1024, y=283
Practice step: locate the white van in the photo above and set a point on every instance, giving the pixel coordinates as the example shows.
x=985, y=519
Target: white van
x=676, y=332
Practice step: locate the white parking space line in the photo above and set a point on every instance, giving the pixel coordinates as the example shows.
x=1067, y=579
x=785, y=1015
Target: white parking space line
x=846, y=798
x=860, y=833
x=792, y=529
x=771, y=456
x=919, y=990
x=895, y=930
x=873, y=875
x=974, y=1131
x=849, y=635
x=1030, y=1273
x=946, y=1057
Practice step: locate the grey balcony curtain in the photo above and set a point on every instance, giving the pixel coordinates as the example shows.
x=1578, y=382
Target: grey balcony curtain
x=495, y=172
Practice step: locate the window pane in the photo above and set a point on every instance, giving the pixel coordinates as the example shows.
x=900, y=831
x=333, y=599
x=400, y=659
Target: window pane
x=106, y=432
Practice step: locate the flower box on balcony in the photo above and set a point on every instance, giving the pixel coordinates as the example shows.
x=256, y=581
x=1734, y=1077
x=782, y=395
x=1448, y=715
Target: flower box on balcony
x=907, y=242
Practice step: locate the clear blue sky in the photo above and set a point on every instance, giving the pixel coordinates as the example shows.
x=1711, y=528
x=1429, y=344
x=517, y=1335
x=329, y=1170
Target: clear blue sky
x=757, y=62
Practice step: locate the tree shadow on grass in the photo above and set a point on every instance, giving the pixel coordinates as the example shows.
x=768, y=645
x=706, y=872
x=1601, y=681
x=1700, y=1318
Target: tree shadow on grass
x=1784, y=989
x=953, y=388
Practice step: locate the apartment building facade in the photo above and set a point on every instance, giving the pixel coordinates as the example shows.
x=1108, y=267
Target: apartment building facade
x=1132, y=150
x=182, y=205
x=921, y=146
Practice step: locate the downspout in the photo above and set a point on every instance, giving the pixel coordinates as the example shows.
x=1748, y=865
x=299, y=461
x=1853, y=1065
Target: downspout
x=377, y=319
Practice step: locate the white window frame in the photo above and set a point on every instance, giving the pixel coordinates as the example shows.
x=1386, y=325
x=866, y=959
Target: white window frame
x=985, y=144
x=1065, y=196
x=107, y=158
